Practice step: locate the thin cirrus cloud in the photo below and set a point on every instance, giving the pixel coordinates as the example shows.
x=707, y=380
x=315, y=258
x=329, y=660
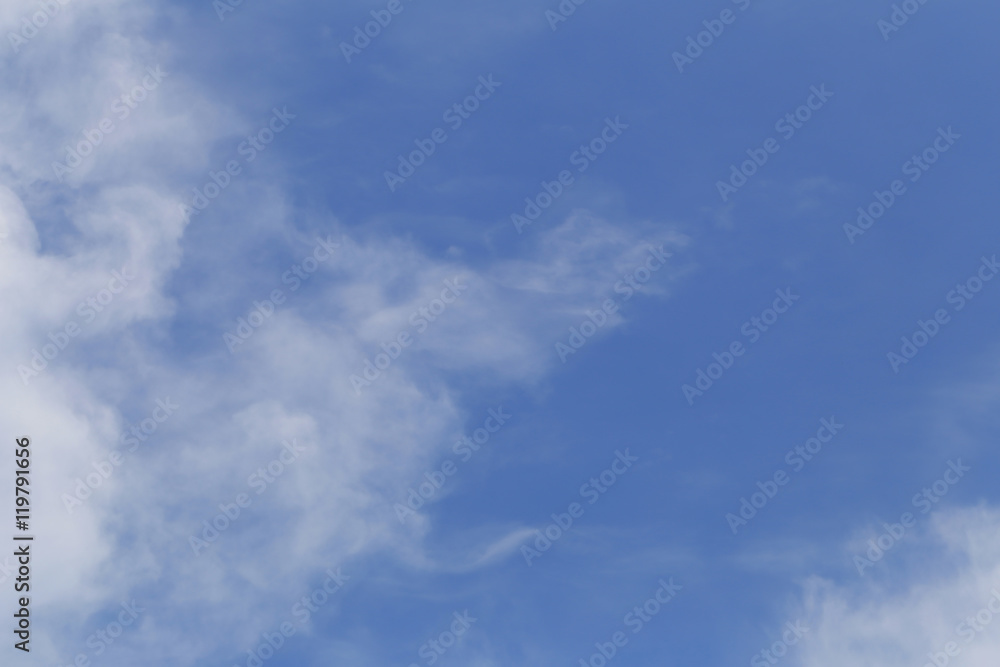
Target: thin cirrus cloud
x=311, y=409
x=289, y=381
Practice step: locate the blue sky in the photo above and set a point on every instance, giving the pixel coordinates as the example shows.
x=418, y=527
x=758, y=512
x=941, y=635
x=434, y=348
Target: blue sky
x=309, y=317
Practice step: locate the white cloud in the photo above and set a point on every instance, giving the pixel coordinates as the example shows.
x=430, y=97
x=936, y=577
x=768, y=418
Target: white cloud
x=878, y=621
x=289, y=381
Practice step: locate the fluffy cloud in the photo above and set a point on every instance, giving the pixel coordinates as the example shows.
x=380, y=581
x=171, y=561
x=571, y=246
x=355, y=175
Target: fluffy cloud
x=944, y=609
x=88, y=392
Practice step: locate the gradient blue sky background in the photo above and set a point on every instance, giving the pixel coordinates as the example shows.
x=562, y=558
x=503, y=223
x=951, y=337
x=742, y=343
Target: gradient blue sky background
x=323, y=177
